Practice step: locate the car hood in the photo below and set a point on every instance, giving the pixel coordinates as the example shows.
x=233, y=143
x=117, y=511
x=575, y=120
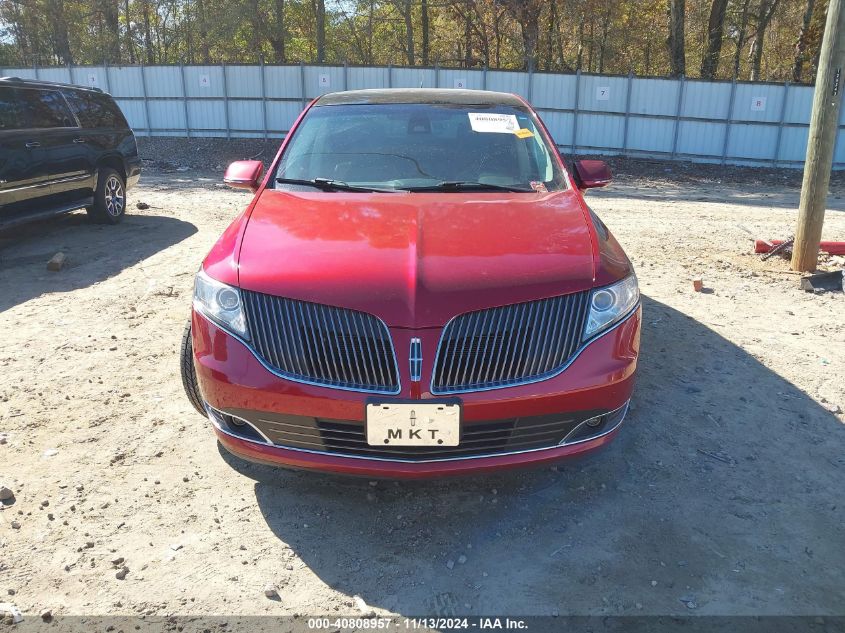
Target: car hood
x=416, y=259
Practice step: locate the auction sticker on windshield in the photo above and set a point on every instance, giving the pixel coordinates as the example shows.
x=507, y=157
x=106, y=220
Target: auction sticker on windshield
x=490, y=122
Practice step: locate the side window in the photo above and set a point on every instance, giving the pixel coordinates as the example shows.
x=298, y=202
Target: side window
x=11, y=112
x=84, y=109
x=95, y=110
x=47, y=108
x=110, y=112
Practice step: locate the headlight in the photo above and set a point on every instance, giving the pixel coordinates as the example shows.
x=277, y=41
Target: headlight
x=221, y=303
x=610, y=304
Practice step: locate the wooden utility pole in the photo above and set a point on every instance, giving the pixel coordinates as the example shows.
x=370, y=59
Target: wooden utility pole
x=820, y=145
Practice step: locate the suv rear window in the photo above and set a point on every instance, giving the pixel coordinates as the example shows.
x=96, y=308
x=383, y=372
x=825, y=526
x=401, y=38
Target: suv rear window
x=95, y=110
x=11, y=113
x=46, y=108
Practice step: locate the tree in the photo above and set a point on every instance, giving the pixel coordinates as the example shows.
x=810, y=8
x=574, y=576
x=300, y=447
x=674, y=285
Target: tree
x=801, y=42
x=426, y=29
x=129, y=42
x=406, y=8
x=111, y=30
x=146, y=11
x=59, y=27
x=764, y=16
x=202, y=28
x=741, y=32
x=655, y=37
x=677, y=50
x=715, y=33
x=527, y=15
x=320, y=17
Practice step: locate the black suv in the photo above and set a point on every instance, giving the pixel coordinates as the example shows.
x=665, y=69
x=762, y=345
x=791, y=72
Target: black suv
x=63, y=148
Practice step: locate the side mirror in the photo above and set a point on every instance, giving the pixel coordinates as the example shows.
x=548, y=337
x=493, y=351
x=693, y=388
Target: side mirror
x=592, y=173
x=244, y=174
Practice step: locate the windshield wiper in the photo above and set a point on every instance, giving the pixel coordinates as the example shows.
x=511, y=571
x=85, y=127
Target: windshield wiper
x=458, y=185
x=326, y=184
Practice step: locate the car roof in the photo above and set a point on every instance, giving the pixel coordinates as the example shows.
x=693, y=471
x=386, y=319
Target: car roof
x=39, y=83
x=420, y=95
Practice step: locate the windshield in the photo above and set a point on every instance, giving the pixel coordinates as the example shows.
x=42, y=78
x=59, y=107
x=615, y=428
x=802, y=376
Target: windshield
x=420, y=146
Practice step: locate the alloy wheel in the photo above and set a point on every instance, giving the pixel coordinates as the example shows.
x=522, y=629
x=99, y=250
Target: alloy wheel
x=115, y=198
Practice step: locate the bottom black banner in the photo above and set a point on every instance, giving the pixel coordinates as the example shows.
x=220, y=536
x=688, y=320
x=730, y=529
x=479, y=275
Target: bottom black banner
x=395, y=623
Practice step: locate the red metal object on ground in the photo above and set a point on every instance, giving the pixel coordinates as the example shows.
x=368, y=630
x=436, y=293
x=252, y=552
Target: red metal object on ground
x=834, y=248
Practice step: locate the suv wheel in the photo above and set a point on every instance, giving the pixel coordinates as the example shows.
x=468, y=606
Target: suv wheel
x=189, y=372
x=109, y=198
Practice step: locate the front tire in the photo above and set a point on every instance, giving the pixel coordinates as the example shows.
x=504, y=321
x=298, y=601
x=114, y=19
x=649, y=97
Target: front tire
x=189, y=372
x=109, y=198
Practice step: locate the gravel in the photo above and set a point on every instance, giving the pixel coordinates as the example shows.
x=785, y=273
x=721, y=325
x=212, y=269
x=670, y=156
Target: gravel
x=739, y=371
x=214, y=154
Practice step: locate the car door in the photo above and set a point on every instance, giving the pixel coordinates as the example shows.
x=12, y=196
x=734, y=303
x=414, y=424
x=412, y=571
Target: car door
x=98, y=132
x=57, y=134
x=23, y=173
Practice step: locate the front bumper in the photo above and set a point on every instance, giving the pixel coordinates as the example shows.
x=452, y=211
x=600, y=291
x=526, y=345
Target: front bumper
x=233, y=382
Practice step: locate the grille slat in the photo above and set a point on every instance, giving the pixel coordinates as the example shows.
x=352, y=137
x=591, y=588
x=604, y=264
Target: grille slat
x=354, y=341
x=509, y=345
x=515, y=338
x=319, y=341
x=309, y=342
x=504, y=318
x=493, y=437
x=321, y=344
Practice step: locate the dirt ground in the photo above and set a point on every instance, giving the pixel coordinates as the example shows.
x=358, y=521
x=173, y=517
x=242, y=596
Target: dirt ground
x=722, y=495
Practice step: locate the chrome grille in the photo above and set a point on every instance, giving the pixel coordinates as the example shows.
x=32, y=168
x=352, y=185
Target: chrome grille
x=509, y=345
x=321, y=344
x=344, y=437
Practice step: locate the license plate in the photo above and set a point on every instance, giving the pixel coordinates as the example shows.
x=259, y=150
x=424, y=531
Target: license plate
x=416, y=424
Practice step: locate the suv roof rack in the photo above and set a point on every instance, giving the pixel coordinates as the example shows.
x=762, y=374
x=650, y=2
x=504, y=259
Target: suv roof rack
x=42, y=82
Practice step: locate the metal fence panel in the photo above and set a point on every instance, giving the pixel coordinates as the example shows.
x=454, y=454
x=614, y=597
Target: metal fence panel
x=506, y=81
x=125, y=81
x=282, y=82
x=207, y=115
x=243, y=81
x=281, y=115
x=86, y=76
x=200, y=81
x=412, y=78
x=793, y=144
x=554, y=91
x=740, y=122
x=602, y=94
x=650, y=135
x=560, y=126
x=654, y=96
x=323, y=79
x=706, y=100
x=700, y=138
x=245, y=116
x=799, y=102
x=757, y=102
x=23, y=73
x=49, y=74
x=599, y=131
x=466, y=79
x=360, y=78
x=134, y=112
x=165, y=81
x=167, y=115
x=752, y=141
